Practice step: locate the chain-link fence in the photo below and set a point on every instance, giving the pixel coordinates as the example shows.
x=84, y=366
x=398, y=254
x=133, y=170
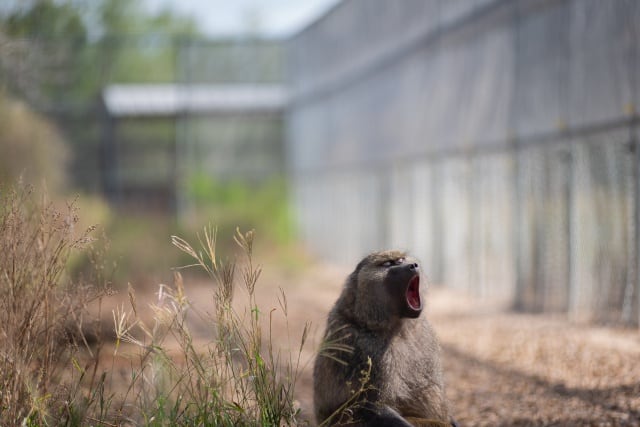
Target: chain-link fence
x=494, y=139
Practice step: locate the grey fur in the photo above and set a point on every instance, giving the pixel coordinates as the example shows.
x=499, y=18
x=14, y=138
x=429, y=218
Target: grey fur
x=371, y=318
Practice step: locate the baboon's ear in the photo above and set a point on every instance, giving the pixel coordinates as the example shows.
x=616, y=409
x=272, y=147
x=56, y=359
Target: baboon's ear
x=361, y=264
x=352, y=279
x=350, y=289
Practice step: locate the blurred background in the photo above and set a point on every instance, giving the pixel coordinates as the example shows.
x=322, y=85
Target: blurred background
x=494, y=139
x=163, y=116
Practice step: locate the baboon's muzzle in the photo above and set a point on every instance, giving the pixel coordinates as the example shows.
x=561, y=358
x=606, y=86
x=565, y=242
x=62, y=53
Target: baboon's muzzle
x=406, y=278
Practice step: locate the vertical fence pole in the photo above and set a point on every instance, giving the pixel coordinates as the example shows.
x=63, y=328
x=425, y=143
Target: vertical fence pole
x=108, y=157
x=383, y=205
x=514, y=172
x=636, y=195
x=180, y=158
x=567, y=163
x=516, y=234
x=634, y=202
x=631, y=296
x=436, y=240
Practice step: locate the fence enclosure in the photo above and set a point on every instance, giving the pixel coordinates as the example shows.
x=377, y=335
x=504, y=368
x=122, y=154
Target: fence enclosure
x=494, y=139
x=184, y=111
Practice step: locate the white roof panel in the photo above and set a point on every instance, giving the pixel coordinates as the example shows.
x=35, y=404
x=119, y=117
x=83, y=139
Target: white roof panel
x=124, y=100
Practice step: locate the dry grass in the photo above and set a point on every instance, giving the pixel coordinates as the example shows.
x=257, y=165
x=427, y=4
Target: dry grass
x=41, y=312
x=172, y=363
x=51, y=375
x=237, y=379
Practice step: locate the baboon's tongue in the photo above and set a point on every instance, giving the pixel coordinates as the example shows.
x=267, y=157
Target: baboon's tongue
x=413, y=293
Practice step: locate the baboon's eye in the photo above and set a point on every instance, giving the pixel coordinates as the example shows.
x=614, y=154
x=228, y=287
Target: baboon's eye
x=390, y=262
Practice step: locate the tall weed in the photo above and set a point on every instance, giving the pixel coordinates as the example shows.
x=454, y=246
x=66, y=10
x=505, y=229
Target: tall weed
x=41, y=312
x=237, y=379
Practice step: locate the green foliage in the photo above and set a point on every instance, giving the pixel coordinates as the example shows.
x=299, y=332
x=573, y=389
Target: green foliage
x=137, y=249
x=262, y=206
x=49, y=39
x=136, y=47
x=79, y=46
x=122, y=17
x=57, y=55
x=46, y=20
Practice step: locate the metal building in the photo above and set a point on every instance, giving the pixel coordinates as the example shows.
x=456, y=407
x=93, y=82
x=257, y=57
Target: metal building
x=157, y=136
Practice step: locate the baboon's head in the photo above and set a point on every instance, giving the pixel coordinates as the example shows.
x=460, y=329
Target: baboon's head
x=386, y=288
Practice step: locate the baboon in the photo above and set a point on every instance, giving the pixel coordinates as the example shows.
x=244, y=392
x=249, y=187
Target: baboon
x=379, y=364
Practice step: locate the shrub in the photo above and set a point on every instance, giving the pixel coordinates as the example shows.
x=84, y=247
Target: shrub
x=263, y=206
x=30, y=147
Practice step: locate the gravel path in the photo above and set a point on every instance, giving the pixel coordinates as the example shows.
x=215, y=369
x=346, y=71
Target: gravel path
x=506, y=369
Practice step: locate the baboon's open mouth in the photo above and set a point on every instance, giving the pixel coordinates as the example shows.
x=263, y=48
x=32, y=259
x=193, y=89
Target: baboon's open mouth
x=413, y=293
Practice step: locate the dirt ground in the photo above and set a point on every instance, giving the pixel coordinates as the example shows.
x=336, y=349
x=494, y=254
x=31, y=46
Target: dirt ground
x=501, y=368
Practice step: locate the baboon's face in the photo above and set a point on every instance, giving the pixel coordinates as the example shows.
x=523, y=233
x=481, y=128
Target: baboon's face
x=394, y=277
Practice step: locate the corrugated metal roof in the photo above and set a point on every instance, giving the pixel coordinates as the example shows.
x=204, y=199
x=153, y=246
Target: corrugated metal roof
x=129, y=100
